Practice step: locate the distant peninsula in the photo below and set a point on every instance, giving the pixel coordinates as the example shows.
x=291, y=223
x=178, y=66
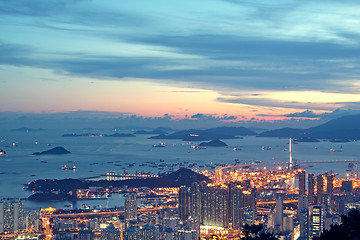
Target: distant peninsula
x=119, y=135
x=207, y=134
x=53, y=151
x=45, y=188
x=213, y=143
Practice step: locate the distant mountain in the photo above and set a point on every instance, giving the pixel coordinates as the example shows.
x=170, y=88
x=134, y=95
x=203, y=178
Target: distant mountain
x=98, y=135
x=208, y=134
x=343, y=128
x=25, y=129
x=53, y=151
x=213, y=143
x=120, y=135
x=283, y=132
x=155, y=131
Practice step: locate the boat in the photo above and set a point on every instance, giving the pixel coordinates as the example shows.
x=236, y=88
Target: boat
x=265, y=148
x=336, y=150
x=2, y=152
x=196, y=147
x=237, y=149
x=159, y=145
x=65, y=167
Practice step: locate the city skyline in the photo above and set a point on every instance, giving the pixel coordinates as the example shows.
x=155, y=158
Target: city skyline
x=234, y=60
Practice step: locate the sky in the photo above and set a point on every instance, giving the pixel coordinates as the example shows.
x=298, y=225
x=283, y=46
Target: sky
x=231, y=60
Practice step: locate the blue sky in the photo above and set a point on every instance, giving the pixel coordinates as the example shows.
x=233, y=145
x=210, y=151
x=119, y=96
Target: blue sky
x=243, y=58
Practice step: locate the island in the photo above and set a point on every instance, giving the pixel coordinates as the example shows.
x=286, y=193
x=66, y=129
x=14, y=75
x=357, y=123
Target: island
x=44, y=189
x=53, y=151
x=207, y=134
x=213, y=143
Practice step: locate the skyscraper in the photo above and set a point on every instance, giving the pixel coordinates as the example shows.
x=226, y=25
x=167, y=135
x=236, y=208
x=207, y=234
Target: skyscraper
x=242, y=206
x=316, y=222
x=130, y=207
x=319, y=188
x=302, y=189
x=279, y=213
x=311, y=189
x=184, y=203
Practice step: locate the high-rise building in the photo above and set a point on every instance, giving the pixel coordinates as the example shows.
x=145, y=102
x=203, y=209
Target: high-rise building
x=214, y=206
x=12, y=216
x=184, y=203
x=316, y=220
x=302, y=203
x=319, y=188
x=311, y=188
x=279, y=213
x=303, y=217
x=302, y=188
x=130, y=207
x=242, y=206
x=195, y=202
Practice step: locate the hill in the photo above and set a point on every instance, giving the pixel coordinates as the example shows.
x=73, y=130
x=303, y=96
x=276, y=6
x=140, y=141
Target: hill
x=213, y=143
x=46, y=187
x=53, y=151
x=344, y=128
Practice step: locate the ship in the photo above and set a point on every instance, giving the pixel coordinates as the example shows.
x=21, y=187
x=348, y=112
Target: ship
x=159, y=145
x=65, y=167
x=336, y=150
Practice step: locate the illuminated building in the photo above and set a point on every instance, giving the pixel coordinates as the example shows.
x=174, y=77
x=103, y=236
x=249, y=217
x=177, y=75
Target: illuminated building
x=242, y=206
x=186, y=235
x=184, y=203
x=12, y=216
x=214, y=206
x=319, y=188
x=317, y=217
x=311, y=189
x=288, y=223
x=130, y=207
x=32, y=220
x=302, y=189
x=195, y=202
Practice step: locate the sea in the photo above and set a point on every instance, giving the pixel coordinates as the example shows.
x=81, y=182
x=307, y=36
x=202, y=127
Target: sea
x=95, y=156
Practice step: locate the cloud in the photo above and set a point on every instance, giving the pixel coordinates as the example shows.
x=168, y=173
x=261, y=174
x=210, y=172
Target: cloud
x=225, y=46
x=327, y=115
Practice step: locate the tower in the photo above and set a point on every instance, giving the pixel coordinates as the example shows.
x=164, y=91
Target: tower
x=290, y=151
